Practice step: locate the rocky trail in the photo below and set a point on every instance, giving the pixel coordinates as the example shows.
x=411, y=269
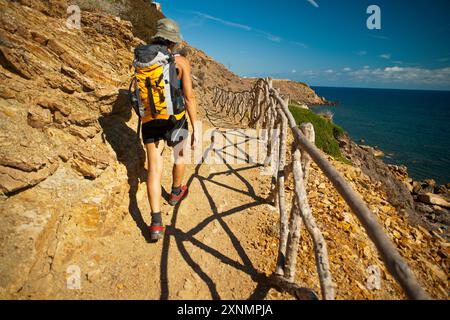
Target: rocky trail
x=204, y=254
x=73, y=204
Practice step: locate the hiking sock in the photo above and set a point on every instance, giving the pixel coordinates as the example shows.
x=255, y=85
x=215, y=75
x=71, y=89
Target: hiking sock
x=176, y=191
x=157, y=218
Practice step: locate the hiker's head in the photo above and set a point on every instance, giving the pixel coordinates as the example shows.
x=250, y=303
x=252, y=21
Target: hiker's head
x=167, y=33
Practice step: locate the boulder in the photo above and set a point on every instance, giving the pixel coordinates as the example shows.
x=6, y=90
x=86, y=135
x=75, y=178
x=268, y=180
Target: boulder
x=428, y=186
x=441, y=190
x=430, y=183
x=376, y=152
x=417, y=186
x=434, y=199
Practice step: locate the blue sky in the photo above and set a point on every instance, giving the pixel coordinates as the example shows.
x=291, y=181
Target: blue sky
x=323, y=42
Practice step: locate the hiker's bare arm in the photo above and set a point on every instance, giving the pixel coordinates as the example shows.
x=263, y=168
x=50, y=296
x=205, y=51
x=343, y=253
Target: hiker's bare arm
x=188, y=92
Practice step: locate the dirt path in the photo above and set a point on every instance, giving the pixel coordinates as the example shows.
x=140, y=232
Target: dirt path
x=207, y=251
x=221, y=242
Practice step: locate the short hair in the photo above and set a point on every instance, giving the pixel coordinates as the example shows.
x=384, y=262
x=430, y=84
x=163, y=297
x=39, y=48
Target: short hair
x=163, y=42
x=185, y=51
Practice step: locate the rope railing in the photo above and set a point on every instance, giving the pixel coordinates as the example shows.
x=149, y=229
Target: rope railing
x=265, y=108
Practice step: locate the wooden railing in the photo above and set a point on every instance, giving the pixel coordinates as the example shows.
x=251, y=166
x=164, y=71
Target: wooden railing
x=265, y=108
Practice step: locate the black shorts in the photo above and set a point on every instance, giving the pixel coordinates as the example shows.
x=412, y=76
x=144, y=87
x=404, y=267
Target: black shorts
x=165, y=130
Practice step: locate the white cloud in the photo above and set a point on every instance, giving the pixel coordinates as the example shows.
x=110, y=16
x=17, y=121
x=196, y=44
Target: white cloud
x=386, y=56
x=294, y=71
x=361, y=53
x=310, y=73
x=395, y=74
x=232, y=24
x=268, y=36
x=224, y=22
x=407, y=77
x=393, y=69
x=314, y=3
x=300, y=44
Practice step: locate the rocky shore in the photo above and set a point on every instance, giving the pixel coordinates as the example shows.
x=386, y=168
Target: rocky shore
x=423, y=202
x=431, y=201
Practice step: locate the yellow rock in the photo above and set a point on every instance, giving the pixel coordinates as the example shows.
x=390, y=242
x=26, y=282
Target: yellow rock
x=367, y=252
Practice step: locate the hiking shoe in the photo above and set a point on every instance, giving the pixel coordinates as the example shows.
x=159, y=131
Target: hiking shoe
x=156, y=232
x=176, y=199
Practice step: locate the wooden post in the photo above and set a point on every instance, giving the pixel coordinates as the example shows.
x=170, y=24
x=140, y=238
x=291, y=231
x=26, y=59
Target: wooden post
x=300, y=168
x=320, y=248
x=308, y=131
x=282, y=196
x=275, y=155
x=392, y=259
x=300, y=293
x=295, y=219
x=295, y=225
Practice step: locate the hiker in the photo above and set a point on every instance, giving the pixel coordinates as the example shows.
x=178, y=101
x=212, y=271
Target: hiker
x=162, y=97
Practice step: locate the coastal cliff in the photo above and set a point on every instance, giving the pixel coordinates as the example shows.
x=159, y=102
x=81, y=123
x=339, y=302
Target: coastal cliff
x=72, y=171
x=423, y=203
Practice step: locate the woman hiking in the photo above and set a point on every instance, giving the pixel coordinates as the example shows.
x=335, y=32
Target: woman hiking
x=164, y=91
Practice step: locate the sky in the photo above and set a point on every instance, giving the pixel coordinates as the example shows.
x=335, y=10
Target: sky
x=323, y=42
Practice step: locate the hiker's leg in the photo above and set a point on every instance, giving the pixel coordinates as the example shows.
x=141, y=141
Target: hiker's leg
x=155, y=169
x=179, y=167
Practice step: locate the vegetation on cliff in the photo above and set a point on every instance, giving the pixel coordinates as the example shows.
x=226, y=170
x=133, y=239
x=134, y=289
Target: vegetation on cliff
x=327, y=132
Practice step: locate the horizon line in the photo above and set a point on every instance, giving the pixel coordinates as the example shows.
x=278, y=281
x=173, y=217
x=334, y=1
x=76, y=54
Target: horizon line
x=347, y=87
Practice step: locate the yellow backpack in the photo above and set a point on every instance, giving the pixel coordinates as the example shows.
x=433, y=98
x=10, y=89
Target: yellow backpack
x=157, y=93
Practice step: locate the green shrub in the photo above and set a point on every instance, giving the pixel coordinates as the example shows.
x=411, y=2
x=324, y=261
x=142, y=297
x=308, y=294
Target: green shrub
x=326, y=131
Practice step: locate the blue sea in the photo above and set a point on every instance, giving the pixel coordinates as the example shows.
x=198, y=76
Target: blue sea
x=412, y=127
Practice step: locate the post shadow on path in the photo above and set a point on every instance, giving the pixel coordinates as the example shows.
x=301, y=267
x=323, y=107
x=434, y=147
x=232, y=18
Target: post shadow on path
x=180, y=237
x=127, y=145
x=129, y=150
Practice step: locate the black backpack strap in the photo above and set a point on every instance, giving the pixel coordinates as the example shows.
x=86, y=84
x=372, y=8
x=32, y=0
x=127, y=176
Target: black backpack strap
x=148, y=84
x=139, y=128
x=134, y=103
x=176, y=91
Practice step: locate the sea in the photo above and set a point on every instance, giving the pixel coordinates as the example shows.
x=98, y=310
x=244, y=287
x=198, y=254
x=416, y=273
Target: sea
x=412, y=127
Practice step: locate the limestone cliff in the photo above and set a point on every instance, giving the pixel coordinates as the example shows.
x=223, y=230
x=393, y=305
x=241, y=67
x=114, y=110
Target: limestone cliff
x=72, y=168
x=70, y=159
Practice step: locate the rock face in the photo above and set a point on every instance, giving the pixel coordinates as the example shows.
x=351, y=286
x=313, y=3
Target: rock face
x=373, y=167
x=70, y=159
x=140, y=13
x=376, y=152
x=299, y=93
x=71, y=163
x=415, y=200
x=430, y=200
x=67, y=154
x=434, y=199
